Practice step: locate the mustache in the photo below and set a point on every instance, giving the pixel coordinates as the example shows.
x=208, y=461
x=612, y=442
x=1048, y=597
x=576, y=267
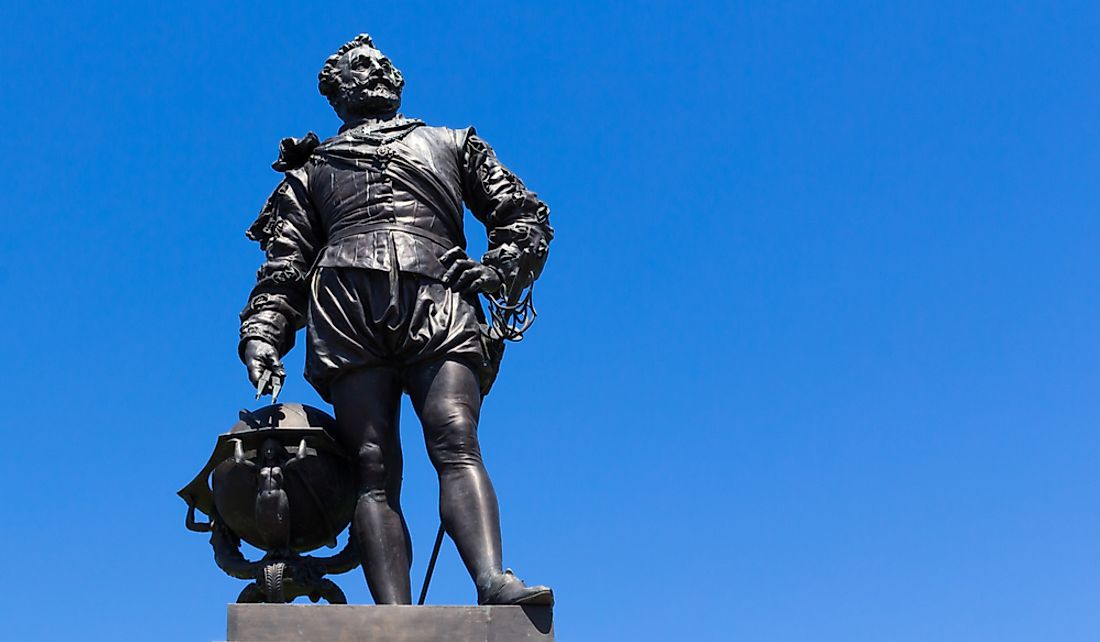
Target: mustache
x=370, y=90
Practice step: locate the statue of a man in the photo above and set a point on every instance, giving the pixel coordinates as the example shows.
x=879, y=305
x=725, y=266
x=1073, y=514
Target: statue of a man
x=365, y=248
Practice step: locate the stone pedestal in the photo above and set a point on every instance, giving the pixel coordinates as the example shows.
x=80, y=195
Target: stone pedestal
x=356, y=623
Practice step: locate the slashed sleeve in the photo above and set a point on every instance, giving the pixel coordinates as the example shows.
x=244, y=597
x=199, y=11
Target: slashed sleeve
x=289, y=234
x=515, y=218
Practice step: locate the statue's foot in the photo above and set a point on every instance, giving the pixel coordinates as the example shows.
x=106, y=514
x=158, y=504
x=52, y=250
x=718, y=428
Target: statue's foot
x=506, y=588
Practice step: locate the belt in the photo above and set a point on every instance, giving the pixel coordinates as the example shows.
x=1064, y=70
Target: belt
x=389, y=226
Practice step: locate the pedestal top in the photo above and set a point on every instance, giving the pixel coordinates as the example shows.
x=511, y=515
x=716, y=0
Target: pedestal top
x=355, y=623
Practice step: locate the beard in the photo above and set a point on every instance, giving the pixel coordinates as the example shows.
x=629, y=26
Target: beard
x=377, y=98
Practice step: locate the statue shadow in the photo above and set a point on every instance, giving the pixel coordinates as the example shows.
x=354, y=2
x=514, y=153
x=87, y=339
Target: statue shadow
x=540, y=617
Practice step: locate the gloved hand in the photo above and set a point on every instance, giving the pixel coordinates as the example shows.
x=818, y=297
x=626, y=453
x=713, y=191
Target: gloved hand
x=265, y=369
x=467, y=275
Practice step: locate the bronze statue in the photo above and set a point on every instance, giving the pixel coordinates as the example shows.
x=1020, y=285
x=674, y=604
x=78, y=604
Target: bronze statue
x=365, y=248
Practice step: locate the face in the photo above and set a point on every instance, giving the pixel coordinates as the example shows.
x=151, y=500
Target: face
x=369, y=84
x=270, y=450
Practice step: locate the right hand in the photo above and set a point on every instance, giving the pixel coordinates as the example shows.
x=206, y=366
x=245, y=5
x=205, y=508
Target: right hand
x=265, y=369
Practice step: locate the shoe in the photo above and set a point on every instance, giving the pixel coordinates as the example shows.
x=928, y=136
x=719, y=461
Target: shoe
x=506, y=588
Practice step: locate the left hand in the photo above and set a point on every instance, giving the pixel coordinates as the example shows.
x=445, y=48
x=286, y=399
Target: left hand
x=467, y=275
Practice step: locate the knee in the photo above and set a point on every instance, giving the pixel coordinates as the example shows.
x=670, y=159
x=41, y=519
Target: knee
x=454, y=443
x=370, y=465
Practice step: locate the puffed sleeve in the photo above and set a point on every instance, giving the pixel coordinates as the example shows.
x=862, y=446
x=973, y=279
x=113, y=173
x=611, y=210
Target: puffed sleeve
x=289, y=234
x=514, y=216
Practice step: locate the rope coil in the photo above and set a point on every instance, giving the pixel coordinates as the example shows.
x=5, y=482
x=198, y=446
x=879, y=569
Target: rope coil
x=512, y=312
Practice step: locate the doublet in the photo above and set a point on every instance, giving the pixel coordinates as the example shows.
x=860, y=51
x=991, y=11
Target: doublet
x=386, y=197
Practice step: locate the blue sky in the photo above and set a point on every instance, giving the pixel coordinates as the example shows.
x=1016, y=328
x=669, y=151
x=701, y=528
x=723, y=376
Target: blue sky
x=816, y=355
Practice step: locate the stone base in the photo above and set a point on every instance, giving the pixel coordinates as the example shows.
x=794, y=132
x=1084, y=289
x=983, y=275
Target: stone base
x=355, y=623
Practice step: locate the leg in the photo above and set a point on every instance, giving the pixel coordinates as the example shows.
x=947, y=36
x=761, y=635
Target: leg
x=447, y=397
x=367, y=404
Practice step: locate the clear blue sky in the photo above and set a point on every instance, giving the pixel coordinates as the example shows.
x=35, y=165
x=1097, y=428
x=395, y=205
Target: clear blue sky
x=817, y=353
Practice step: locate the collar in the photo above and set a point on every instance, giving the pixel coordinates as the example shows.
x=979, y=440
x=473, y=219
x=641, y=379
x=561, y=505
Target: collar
x=380, y=131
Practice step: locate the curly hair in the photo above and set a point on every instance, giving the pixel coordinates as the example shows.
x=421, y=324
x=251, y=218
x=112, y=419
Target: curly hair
x=327, y=81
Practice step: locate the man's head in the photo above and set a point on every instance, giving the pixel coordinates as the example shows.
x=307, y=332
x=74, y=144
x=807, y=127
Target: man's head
x=360, y=81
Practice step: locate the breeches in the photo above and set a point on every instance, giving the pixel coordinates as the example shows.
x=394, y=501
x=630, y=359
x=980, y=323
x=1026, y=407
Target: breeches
x=360, y=318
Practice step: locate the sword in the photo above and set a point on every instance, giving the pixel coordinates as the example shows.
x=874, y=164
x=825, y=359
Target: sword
x=431, y=565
